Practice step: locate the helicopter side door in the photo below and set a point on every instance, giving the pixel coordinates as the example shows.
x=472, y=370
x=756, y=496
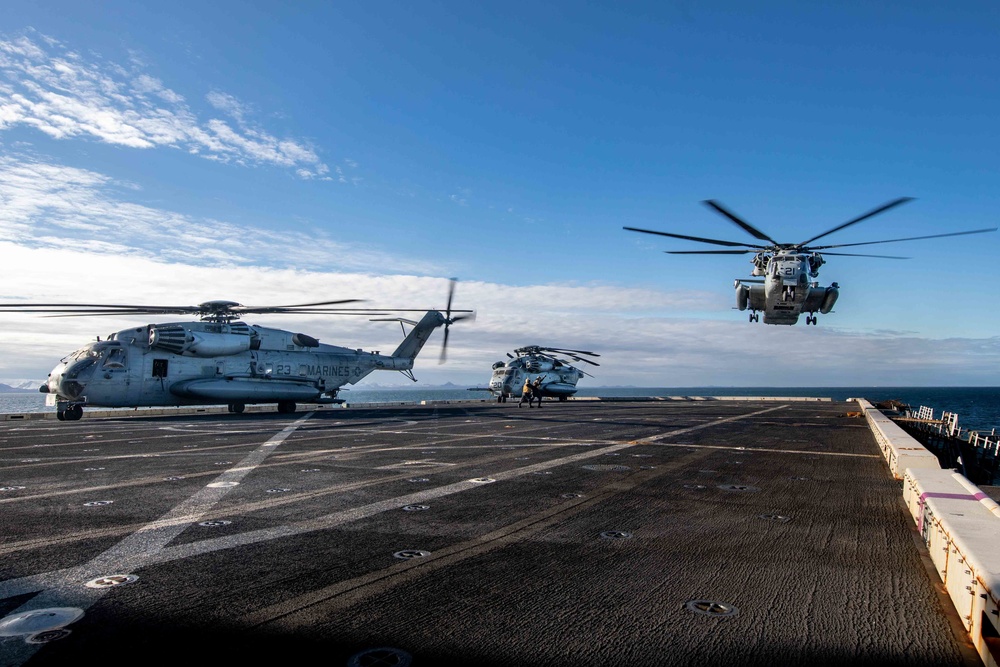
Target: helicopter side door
x=154, y=372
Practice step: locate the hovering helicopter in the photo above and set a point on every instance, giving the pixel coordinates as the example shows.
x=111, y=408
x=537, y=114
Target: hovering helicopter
x=219, y=359
x=559, y=378
x=786, y=291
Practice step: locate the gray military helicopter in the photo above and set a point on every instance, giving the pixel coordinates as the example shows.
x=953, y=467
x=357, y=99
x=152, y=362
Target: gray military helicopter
x=559, y=378
x=219, y=359
x=786, y=290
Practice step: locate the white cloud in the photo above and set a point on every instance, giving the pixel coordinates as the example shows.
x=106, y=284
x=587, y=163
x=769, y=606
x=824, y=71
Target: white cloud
x=52, y=206
x=642, y=335
x=229, y=104
x=59, y=93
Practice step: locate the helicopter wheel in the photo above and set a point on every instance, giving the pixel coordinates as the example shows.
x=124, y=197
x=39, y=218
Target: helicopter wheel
x=61, y=415
x=237, y=408
x=73, y=413
x=286, y=407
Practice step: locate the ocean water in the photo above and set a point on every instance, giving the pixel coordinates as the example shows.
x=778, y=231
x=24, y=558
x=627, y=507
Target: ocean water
x=978, y=407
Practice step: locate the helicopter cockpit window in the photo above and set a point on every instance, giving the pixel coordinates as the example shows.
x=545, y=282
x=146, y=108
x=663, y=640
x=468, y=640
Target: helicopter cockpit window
x=115, y=358
x=89, y=352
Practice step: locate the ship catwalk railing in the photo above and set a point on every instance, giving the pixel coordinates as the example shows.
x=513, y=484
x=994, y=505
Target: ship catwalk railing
x=923, y=419
x=974, y=453
x=958, y=524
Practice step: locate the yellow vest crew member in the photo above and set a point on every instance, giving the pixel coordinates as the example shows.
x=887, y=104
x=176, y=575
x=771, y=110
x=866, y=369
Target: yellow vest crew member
x=525, y=393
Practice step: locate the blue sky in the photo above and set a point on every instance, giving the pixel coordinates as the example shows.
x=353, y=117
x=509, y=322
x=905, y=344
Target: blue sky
x=180, y=152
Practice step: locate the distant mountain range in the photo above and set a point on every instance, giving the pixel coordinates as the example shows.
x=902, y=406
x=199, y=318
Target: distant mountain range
x=373, y=386
x=18, y=386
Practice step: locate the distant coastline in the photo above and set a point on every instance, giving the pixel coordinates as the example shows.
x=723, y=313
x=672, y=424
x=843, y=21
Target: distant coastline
x=7, y=389
x=977, y=407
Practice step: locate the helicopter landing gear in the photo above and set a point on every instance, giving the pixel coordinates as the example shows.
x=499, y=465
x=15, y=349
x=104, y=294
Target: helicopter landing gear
x=237, y=407
x=286, y=407
x=755, y=317
x=70, y=414
x=810, y=319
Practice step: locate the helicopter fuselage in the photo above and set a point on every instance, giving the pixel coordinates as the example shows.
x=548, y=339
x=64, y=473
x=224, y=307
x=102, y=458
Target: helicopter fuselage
x=201, y=363
x=786, y=291
x=558, y=379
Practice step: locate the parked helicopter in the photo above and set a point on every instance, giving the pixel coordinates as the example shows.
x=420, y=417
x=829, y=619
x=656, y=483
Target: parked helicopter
x=559, y=378
x=219, y=359
x=786, y=289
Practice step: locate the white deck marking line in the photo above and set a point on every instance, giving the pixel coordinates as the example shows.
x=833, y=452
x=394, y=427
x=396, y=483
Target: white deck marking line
x=66, y=587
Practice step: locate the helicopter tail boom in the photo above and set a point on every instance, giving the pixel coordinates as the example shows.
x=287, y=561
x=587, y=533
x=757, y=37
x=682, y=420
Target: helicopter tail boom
x=418, y=336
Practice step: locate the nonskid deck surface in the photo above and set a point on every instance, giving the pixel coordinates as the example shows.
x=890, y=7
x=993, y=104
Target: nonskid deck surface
x=472, y=534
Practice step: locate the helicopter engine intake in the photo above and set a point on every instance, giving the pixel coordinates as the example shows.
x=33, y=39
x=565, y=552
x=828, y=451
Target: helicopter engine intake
x=178, y=340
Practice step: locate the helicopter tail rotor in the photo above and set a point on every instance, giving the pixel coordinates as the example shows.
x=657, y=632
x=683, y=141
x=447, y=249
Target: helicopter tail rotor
x=449, y=319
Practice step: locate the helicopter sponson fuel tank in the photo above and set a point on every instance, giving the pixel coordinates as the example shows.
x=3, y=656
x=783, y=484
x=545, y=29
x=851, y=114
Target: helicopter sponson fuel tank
x=249, y=390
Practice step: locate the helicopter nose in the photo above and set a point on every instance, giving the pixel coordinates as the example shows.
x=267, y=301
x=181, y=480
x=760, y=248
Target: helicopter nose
x=60, y=385
x=69, y=380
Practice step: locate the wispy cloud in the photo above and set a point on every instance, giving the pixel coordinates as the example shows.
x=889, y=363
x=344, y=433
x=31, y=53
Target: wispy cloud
x=228, y=104
x=59, y=92
x=461, y=197
x=52, y=206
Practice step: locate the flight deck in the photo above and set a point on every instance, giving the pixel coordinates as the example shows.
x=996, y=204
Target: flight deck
x=744, y=532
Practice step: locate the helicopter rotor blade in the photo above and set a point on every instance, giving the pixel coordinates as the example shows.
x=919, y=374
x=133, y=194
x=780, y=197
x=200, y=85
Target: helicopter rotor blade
x=742, y=224
x=451, y=295
x=112, y=313
x=11, y=308
x=566, y=349
x=911, y=238
x=79, y=305
x=230, y=315
x=300, y=305
x=709, y=252
x=854, y=254
x=875, y=211
x=699, y=239
x=444, y=346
